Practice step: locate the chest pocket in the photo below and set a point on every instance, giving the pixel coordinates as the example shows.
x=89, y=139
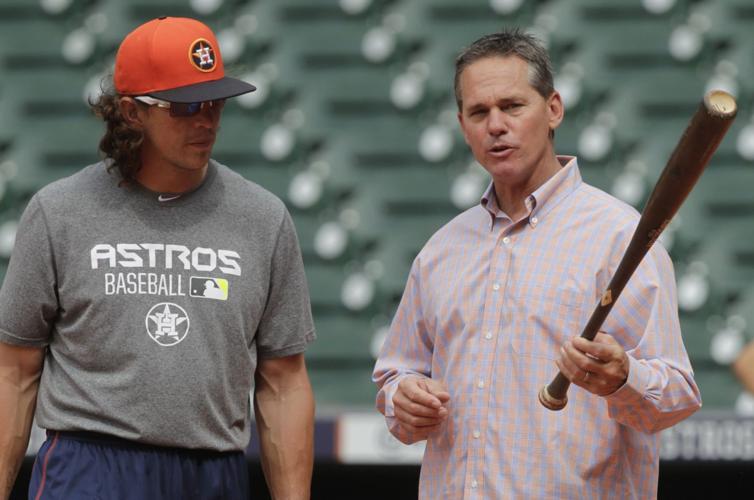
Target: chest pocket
x=544, y=318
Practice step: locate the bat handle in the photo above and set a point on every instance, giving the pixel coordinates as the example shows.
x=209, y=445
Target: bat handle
x=555, y=396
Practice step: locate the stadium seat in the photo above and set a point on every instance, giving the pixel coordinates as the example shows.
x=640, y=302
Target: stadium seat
x=55, y=148
x=19, y=51
x=339, y=388
x=722, y=196
x=347, y=339
x=719, y=387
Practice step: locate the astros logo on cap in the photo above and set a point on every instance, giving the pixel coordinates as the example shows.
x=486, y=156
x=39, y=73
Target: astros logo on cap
x=202, y=55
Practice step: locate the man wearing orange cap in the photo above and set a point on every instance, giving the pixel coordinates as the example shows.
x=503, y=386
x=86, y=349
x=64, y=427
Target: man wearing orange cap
x=143, y=380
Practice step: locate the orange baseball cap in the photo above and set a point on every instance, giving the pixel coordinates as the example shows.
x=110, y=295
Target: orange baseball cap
x=176, y=59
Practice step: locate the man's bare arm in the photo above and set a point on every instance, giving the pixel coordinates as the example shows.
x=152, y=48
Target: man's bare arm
x=284, y=406
x=20, y=368
x=744, y=367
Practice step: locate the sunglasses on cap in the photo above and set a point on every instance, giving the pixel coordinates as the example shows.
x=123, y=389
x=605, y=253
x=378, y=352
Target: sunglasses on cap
x=180, y=109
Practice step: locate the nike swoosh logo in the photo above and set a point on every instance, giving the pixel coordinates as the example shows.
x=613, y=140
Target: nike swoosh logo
x=163, y=197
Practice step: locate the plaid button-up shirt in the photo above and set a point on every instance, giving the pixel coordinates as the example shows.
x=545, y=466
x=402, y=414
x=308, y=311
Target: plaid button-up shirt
x=489, y=302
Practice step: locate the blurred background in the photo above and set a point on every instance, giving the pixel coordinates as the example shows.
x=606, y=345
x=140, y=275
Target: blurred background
x=353, y=125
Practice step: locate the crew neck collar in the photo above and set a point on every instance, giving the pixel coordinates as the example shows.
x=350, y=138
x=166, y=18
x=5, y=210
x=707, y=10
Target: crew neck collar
x=167, y=199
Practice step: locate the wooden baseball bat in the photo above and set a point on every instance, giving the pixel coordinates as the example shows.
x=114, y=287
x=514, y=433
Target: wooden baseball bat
x=703, y=134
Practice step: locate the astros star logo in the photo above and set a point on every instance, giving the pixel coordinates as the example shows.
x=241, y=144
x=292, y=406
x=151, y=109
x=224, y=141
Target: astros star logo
x=167, y=323
x=202, y=55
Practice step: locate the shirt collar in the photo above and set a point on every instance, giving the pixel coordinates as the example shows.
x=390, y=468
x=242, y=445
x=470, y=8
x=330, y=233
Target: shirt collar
x=546, y=196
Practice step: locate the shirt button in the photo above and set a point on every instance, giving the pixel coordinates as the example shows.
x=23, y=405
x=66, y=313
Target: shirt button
x=476, y=434
x=474, y=483
x=480, y=384
x=496, y=286
x=506, y=240
x=488, y=335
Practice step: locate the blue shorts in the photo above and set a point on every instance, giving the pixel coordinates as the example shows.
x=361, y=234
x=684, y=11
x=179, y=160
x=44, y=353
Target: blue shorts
x=82, y=465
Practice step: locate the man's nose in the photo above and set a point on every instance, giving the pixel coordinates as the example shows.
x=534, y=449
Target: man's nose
x=208, y=116
x=497, y=123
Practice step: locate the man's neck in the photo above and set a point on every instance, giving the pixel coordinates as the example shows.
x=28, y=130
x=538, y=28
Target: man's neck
x=170, y=179
x=511, y=198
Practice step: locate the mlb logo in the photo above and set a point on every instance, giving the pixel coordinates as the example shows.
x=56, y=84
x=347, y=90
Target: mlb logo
x=209, y=288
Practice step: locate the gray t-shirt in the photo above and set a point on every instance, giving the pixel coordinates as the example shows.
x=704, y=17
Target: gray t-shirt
x=155, y=312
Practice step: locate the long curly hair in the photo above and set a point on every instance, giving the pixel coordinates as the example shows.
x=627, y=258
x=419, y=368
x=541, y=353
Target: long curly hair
x=121, y=144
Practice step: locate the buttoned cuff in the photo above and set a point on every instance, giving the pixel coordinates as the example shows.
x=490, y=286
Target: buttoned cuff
x=635, y=387
x=388, y=391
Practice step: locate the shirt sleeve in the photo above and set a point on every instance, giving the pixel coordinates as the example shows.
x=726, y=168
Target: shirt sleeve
x=28, y=299
x=407, y=351
x=660, y=390
x=286, y=326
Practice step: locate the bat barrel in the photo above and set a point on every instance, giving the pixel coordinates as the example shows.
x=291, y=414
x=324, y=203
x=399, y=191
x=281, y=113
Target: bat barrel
x=686, y=164
x=720, y=104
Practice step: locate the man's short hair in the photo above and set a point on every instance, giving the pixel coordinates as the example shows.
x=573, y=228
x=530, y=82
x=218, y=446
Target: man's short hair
x=506, y=43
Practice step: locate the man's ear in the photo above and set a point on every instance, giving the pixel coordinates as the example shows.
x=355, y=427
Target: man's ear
x=555, y=110
x=129, y=110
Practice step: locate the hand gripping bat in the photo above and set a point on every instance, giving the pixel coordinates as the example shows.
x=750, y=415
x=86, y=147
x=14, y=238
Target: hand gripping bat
x=703, y=134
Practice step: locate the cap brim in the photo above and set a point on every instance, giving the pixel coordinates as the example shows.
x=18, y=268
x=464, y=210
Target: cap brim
x=206, y=91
